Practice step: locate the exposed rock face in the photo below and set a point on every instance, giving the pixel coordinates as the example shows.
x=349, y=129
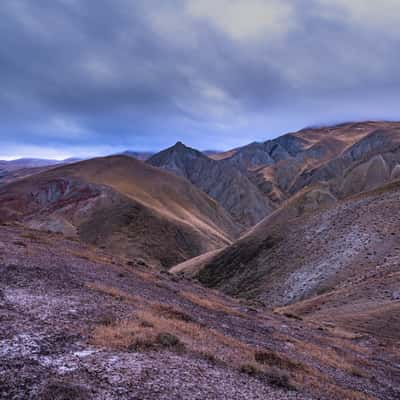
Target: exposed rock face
x=378, y=141
x=250, y=156
x=293, y=144
x=365, y=176
x=368, y=151
x=219, y=179
x=263, y=154
x=395, y=172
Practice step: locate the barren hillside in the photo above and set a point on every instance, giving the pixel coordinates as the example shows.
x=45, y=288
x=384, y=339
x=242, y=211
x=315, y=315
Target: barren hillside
x=338, y=264
x=124, y=205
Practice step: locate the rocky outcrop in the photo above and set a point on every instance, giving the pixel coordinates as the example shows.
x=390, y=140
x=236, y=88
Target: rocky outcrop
x=371, y=150
x=395, y=172
x=365, y=176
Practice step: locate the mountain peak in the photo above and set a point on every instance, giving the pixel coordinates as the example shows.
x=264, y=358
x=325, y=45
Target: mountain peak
x=183, y=150
x=180, y=146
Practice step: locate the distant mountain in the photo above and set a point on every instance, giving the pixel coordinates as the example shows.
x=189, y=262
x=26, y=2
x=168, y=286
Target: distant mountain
x=20, y=163
x=24, y=167
x=123, y=204
x=139, y=155
x=220, y=180
x=26, y=163
x=283, y=166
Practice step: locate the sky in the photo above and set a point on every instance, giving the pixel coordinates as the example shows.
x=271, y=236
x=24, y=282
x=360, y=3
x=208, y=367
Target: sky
x=91, y=77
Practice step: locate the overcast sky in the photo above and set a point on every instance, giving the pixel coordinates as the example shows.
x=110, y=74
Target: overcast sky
x=91, y=77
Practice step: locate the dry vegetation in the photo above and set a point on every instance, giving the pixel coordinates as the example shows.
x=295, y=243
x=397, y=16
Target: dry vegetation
x=158, y=327
x=114, y=292
x=93, y=256
x=210, y=303
x=165, y=327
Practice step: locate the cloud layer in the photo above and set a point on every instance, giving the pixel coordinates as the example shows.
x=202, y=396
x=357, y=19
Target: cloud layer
x=90, y=76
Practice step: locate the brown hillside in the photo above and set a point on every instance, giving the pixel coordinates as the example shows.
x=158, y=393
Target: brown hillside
x=123, y=204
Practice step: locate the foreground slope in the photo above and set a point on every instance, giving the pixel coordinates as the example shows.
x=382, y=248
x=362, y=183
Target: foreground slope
x=122, y=204
x=78, y=323
x=220, y=180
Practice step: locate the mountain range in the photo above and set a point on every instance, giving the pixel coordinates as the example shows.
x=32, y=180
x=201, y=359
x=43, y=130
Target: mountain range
x=269, y=270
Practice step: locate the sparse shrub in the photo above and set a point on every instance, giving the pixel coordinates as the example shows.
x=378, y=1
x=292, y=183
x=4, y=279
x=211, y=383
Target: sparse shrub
x=168, y=340
x=250, y=369
x=279, y=379
x=357, y=372
x=210, y=358
x=140, y=344
x=20, y=243
x=173, y=313
x=152, y=341
x=146, y=324
x=293, y=316
x=267, y=357
x=270, y=358
x=107, y=320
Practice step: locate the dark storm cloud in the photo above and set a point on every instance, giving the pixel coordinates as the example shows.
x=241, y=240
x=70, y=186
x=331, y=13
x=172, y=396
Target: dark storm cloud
x=90, y=76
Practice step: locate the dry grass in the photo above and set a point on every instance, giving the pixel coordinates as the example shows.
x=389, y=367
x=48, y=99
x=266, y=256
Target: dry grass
x=269, y=357
x=92, y=255
x=30, y=235
x=321, y=384
x=159, y=327
x=147, y=325
x=147, y=276
x=324, y=355
x=114, y=292
x=165, y=327
x=171, y=312
x=210, y=303
x=344, y=333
